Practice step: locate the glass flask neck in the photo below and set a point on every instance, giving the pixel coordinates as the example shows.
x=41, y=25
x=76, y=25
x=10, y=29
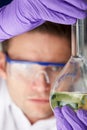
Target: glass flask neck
x=77, y=39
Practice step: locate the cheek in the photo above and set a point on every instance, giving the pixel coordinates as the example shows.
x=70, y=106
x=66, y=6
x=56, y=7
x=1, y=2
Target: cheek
x=20, y=85
x=18, y=90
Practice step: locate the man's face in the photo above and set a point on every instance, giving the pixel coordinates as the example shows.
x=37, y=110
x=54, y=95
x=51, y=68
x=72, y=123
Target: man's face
x=33, y=96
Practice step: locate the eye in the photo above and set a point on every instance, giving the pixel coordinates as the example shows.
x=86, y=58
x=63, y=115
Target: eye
x=56, y=68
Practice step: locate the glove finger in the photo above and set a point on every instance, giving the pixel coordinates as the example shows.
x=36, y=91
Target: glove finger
x=44, y=14
x=62, y=124
x=72, y=118
x=58, y=18
x=82, y=4
x=82, y=115
x=64, y=8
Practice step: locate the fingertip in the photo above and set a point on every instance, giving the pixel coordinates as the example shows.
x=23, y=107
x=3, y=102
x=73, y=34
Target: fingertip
x=57, y=110
x=67, y=110
x=82, y=115
x=82, y=112
x=69, y=20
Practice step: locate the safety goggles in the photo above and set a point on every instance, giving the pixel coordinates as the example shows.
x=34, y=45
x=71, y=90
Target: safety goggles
x=31, y=70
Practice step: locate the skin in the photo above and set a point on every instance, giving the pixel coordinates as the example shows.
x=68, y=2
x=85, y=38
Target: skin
x=33, y=97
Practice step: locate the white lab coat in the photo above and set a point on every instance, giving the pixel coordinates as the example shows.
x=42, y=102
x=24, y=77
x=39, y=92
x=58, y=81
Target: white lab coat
x=12, y=118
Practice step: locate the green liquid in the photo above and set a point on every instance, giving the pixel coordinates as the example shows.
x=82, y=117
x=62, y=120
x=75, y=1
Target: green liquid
x=73, y=99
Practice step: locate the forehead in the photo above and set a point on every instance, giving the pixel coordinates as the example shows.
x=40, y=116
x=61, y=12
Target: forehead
x=37, y=46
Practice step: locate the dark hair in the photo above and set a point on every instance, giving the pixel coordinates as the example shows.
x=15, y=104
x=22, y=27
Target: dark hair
x=4, y=2
x=55, y=28
x=47, y=27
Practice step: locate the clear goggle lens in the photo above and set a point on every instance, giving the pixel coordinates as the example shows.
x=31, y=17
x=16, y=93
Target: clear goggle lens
x=34, y=70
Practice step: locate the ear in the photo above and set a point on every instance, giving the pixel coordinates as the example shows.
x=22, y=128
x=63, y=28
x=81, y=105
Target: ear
x=2, y=65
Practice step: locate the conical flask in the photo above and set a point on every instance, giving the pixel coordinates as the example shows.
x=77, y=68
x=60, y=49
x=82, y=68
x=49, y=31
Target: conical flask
x=70, y=87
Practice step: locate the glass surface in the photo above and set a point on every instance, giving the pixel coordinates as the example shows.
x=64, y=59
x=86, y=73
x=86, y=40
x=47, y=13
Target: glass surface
x=70, y=87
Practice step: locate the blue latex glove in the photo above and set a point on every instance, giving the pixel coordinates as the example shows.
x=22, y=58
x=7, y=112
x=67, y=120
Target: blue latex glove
x=67, y=119
x=24, y=15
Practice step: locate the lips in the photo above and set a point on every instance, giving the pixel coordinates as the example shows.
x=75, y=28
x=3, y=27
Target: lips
x=39, y=100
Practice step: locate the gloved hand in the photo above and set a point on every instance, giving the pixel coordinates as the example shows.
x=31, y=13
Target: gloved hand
x=24, y=15
x=67, y=119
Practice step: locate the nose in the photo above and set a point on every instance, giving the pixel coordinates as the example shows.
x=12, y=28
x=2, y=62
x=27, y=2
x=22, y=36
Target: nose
x=41, y=82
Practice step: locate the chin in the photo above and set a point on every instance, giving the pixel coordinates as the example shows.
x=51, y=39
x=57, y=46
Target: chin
x=42, y=114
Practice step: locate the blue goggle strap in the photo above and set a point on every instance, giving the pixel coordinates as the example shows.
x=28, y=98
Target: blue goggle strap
x=9, y=60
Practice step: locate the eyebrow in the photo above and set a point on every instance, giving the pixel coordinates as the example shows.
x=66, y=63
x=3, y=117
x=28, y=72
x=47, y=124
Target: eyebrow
x=8, y=59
